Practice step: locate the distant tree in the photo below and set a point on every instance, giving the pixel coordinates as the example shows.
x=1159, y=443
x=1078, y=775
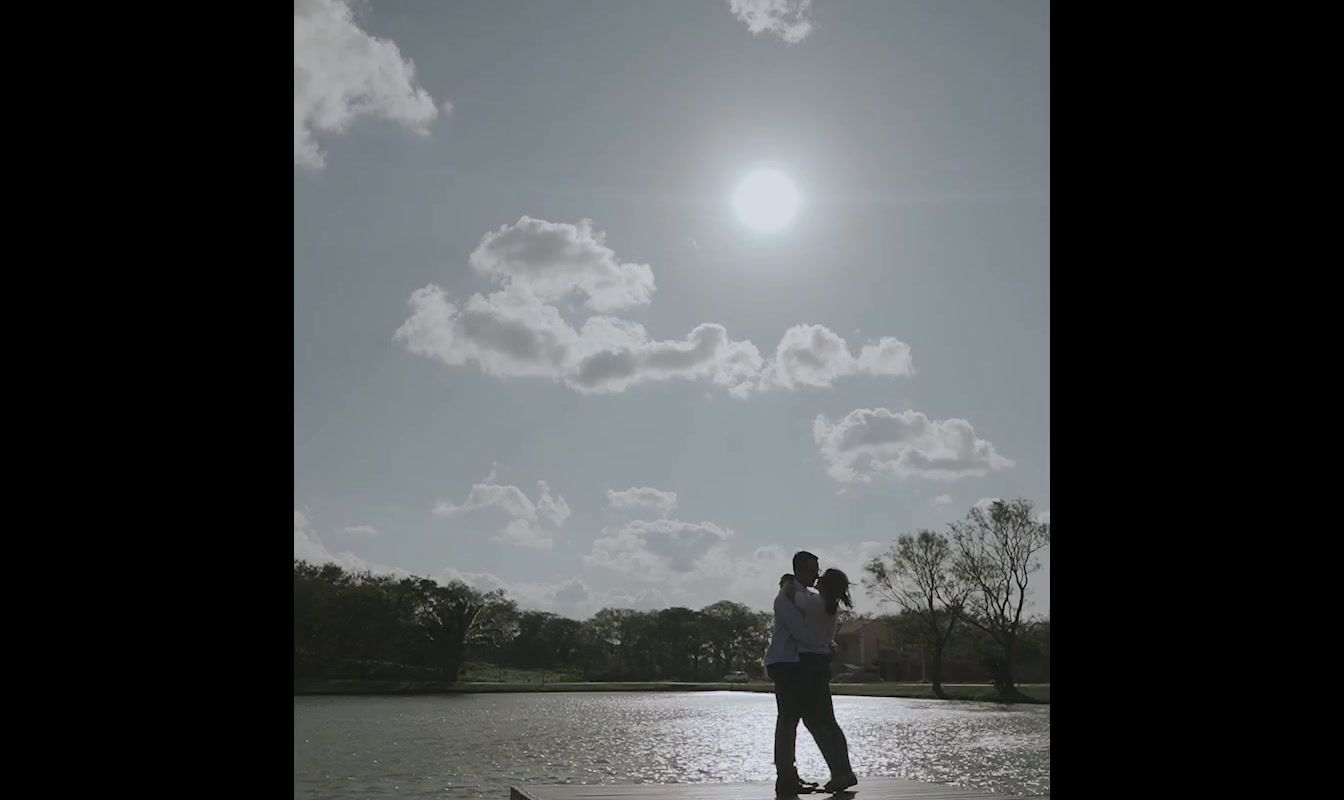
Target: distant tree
x=995, y=554
x=916, y=574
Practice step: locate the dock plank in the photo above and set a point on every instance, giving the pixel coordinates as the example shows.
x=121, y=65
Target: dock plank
x=873, y=788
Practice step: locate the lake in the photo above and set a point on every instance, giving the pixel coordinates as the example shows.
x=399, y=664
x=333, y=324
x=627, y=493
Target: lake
x=476, y=745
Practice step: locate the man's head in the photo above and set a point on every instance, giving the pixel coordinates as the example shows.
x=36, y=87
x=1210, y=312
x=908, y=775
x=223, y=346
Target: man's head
x=805, y=567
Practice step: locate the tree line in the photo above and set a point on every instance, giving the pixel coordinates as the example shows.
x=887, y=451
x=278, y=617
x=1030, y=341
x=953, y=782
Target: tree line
x=960, y=595
x=360, y=625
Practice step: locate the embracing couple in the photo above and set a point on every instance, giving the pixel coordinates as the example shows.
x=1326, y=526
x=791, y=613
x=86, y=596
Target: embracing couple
x=798, y=661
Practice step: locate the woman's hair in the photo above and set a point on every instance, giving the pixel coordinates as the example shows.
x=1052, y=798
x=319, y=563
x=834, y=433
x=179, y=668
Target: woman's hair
x=834, y=587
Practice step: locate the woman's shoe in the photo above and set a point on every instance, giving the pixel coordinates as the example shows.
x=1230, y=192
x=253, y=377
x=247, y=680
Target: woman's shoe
x=840, y=784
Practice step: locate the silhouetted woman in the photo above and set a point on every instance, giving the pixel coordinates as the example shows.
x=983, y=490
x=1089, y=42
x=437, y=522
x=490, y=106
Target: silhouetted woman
x=823, y=618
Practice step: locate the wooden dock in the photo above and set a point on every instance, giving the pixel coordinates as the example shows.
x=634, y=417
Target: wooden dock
x=868, y=789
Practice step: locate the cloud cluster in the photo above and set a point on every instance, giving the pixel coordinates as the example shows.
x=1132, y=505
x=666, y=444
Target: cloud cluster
x=342, y=73
x=517, y=331
x=868, y=444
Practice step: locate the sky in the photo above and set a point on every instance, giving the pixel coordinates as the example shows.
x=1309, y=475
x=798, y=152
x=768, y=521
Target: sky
x=547, y=337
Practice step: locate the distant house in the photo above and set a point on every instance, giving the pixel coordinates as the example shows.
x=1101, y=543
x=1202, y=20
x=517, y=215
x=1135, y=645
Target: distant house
x=859, y=642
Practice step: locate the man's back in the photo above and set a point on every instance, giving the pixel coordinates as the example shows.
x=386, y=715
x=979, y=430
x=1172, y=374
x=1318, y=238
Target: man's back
x=790, y=632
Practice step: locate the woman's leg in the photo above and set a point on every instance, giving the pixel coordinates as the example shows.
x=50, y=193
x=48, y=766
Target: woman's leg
x=819, y=717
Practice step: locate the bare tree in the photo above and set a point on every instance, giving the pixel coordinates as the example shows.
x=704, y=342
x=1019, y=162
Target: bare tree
x=920, y=580
x=995, y=555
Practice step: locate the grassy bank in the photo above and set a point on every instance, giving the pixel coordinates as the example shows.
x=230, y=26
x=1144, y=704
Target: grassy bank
x=1038, y=693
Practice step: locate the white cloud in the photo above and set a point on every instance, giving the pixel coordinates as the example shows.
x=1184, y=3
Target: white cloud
x=618, y=354
x=662, y=549
x=361, y=530
x=523, y=517
x=515, y=331
x=642, y=497
x=941, y=500
x=572, y=597
x=868, y=444
x=353, y=562
x=510, y=499
x=814, y=355
x=1044, y=517
x=308, y=547
x=342, y=73
x=507, y=334
x=552, y=507
x=787, y=19
x=525, y=533
x=573, y=592
x=556, y=259
x=755, y=575
x=511, y=333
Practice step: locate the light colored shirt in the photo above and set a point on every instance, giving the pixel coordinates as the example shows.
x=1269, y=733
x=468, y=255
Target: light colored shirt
x=791, y=632
x=821, y=622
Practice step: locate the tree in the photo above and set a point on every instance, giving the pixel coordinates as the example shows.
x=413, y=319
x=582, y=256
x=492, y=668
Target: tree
x=920, y=580
x=732, y=636
x=995, y=554
x=680, y=637
x=449, y=618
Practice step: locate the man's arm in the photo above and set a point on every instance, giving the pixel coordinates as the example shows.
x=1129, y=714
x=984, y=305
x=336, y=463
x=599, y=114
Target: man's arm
x=792, y=618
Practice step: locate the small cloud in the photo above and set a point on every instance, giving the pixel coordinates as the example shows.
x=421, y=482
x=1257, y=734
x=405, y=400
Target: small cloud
x=787, y=19
x=555, y=260
x=361, y=530
x=523, y=526
x=941, y=500
x=814, y=355
x=308, y=547
x=868, y=444
x=662, y=549
x=642, y=497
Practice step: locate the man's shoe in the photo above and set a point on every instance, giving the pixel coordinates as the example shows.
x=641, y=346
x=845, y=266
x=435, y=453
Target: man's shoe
x=792, y=787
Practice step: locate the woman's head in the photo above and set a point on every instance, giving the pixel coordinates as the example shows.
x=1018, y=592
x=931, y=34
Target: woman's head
x=834, y=587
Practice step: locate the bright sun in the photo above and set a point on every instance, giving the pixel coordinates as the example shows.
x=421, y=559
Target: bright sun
x=766, y=200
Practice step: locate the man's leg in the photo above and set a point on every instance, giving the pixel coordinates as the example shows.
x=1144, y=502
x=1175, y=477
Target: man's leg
x=788, y=691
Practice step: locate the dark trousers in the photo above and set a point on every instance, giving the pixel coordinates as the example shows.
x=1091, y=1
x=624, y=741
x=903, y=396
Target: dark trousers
x=803, y=693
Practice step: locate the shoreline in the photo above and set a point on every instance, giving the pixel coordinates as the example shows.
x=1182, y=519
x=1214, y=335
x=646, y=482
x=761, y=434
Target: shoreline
x=1036, y=694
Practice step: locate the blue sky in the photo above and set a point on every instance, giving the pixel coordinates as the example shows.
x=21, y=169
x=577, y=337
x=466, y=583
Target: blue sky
x=537, y=347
